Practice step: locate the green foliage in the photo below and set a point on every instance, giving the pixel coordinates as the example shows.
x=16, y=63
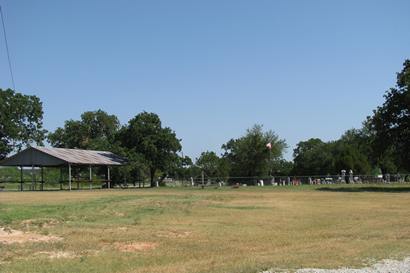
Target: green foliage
x=134, y=171
x=157, y=145
x=361, y=139
x=208, y=162
x=346, y=156
x=282, y=167
x=148, y=147
x=213, y=166
x=313, y=157
x=184, y=168
x=249, y=156
x=20, y=121
x=96, y=130
x=391, y=124
x=9, y=174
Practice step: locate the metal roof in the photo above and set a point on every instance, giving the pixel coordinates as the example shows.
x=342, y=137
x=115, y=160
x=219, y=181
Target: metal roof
x=47, y=156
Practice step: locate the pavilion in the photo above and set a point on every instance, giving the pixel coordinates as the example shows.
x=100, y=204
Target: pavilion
x=40, y=157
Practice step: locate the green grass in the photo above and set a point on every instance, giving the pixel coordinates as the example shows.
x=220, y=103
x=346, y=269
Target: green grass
x=212, y=230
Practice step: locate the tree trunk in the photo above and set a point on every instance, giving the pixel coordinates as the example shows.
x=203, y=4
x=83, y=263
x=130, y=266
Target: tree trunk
x=152, y=176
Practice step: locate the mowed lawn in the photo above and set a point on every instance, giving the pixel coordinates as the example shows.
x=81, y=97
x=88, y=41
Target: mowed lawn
x=213, y=230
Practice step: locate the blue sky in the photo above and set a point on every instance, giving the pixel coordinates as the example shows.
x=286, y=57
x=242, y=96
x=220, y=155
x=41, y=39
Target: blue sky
x=210, y=69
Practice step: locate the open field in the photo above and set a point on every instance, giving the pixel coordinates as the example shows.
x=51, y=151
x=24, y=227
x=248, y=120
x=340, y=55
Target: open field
x=213, y=230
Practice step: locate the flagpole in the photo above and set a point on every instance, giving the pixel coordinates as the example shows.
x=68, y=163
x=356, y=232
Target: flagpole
x=269, y=146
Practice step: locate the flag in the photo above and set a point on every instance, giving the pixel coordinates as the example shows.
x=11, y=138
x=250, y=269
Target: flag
x=269, y=145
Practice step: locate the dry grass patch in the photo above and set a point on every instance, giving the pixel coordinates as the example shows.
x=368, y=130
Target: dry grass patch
x=173, y=234
x=135, y=246
x=10, y=236
x=56, y=254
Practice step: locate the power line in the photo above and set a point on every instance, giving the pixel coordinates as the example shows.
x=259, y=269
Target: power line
x=7, y=48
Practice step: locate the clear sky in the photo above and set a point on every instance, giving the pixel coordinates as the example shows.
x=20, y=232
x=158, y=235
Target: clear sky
x=210, y=69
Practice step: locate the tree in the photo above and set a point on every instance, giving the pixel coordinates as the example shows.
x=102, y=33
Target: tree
x=348, y=157
x=208, y=162
x=315, y=157
x=312, y=157
x=134, y=171
x=182, y=168
x=361, y=139
x=249, y=155
x=391, y=123
x=21, y=121
x=213, y=166
x=96, y=130
x=282, y=167
x=157, y=145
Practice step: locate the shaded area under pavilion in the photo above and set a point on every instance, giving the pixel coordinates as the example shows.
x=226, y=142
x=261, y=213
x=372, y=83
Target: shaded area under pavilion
x=40, y=157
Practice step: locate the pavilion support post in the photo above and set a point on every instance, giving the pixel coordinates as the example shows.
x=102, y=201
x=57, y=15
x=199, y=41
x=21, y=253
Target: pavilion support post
x=69, y=177
x=61, y=178
x=108, y=177
x=21, y=178
x=42, y=178
x=33, y=178
x=91, y=178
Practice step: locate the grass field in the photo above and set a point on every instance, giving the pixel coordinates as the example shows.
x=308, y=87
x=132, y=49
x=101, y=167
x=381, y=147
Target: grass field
x=212, y=230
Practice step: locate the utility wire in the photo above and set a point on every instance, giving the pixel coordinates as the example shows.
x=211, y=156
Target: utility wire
x=7, y=48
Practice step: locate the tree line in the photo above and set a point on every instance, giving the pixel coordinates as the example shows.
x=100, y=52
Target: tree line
x=382, y=145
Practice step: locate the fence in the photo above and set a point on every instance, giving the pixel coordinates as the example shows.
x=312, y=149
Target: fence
x=289, y=180
x=77, y=184
x=33, y=180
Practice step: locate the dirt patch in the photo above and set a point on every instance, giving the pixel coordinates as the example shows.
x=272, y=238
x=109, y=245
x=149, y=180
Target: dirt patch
x=56, y=254
x=135, y=246
x=11, y=236
x=173, y=234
